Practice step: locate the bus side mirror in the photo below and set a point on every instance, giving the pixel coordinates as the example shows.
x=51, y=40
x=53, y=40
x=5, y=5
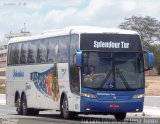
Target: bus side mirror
x=79, y=58
x=150, y=60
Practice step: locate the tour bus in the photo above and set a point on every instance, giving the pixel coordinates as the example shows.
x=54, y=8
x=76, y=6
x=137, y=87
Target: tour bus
x=77, y=70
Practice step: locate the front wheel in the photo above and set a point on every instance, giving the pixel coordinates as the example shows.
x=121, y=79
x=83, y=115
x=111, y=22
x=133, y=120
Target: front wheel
x=120, y=116
x=65, y=113
x=65, y=109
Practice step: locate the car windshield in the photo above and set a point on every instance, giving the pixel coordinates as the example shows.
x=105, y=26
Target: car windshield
x=113, y=71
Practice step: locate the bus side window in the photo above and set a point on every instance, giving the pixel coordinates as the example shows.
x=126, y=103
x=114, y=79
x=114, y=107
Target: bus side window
x=17, y=53
x=11, y=54
x=75, y=79
x=51, y=51
x=24, y=53
x=63, y=51
x=32, y=52
x=74, y=71
x=41, y=52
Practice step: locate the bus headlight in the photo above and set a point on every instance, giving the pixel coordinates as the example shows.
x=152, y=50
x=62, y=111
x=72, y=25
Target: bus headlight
x=138, y=96
x=88, y=95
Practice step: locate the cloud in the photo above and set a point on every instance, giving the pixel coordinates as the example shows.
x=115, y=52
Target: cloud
x=32, y=5
x=59, y=17
x=41, y=15
x=128, y=5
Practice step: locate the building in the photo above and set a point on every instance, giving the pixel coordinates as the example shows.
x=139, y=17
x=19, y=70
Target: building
x=3, y=56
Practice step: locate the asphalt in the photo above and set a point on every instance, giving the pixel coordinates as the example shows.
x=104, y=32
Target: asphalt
x=151, y=106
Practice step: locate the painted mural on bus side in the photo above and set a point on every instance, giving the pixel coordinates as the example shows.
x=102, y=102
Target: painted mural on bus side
x=47, y=82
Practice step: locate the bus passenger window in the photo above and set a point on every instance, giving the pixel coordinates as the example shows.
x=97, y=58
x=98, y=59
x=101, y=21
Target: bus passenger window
x=63, y=51
x=41, y=52
x=17, y=53
x=24, y=53
x=11, y=54
x=32, y=52
x=51, y=51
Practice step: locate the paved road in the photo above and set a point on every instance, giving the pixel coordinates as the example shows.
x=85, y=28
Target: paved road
x=8, y=115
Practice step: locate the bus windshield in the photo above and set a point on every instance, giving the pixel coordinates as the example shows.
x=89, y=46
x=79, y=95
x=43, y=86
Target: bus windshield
x=113, y=71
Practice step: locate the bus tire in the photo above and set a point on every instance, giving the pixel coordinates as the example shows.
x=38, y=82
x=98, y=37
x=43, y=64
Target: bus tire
x=25, y=110
x=74, y=114
x=33, y=111
x=65, y=109
x=120, y=116
x=18, y=105
x=36, y=112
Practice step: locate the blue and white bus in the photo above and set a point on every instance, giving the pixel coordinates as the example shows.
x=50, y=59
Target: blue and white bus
x=85, y=70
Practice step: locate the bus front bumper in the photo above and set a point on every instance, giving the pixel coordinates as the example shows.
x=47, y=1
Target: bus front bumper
x=91, y=105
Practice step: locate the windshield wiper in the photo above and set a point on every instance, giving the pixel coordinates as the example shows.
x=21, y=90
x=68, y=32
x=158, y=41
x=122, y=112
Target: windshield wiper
x=123, y=78
x=106, y=78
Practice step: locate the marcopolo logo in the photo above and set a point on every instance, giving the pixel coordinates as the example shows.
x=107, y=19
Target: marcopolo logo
x=111, y=44
x=17, y=74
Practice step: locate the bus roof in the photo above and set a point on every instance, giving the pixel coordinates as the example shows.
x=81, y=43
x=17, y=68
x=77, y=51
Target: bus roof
x=74, y=30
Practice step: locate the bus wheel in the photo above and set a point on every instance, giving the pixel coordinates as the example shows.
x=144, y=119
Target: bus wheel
x=33, y=111
x=18, y=105
x=120, y=116
x=65, y=109
x=36, y=112
x=24, y=105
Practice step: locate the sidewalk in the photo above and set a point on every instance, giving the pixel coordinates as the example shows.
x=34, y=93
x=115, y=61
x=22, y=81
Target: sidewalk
x=2, y=99
x=152, y=111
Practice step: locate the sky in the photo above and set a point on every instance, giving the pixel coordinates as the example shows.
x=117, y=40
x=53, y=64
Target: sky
x=42, y=15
